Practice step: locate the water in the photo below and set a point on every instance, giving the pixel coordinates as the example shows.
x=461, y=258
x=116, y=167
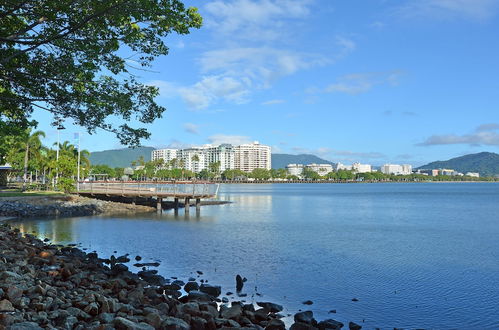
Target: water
x=421, y=255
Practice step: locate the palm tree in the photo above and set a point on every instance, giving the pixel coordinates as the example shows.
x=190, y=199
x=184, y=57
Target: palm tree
x=30, y=140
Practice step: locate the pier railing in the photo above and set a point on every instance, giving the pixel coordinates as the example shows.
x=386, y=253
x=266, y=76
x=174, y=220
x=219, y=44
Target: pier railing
x=151, y=188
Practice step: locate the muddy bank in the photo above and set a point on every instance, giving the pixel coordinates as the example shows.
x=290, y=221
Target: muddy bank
x=64, y=205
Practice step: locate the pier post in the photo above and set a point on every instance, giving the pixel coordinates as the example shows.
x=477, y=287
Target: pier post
x=198, y=204
x=159, y=206
x=175, y=203
x=186, y=204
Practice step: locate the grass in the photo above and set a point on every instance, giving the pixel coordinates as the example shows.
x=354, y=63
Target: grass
x=7, y=193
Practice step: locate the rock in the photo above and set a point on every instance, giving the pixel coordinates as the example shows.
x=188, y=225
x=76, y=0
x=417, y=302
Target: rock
x=239, y=283
x=212, y=290
x=199, y=272
x=354, y=326
x=14, y=293
x=154, y=320
x=138, y=258
x=355, y=299
x=173, y=323
x=25, y=326
x=330, y=324
x=307, y=302
x=199, y=296
x=275, y=324
x=172, y=287
x=180, y=283
x=274, y=308
x=225, y=300
x=119, y=268
x=304, y=317
x=232, y=312
x=302, y=326
x=121, y=323
x=6, y=306
x=198, y=323
x=332, y=311
x=189, y=286
x=106, y=317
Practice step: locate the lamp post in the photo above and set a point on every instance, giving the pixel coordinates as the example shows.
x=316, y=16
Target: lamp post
x=78, y=165
x=59, y=128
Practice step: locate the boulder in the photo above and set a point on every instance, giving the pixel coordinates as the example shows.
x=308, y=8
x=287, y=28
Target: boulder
x=354, y=326
x=330, y=324
x=25, y=326
x=6, y=306
x=273, y=308
x=212, y=290
x=275, y=324
x=189, y=286
x=304, y=317
x=173, y=323
x=121, y=323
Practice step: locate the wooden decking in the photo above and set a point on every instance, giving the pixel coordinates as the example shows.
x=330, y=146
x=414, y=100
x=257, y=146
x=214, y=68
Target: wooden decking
x=151, y=191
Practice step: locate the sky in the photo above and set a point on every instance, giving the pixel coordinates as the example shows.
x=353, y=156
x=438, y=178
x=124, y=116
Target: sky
x=373, y=81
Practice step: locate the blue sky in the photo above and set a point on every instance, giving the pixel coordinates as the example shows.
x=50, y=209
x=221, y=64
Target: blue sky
x=373, y=81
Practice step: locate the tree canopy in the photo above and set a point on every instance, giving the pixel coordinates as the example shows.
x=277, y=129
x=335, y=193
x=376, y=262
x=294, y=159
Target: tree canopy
x=71, y=58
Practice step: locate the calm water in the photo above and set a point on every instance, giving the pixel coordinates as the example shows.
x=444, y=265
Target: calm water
x=415, y=255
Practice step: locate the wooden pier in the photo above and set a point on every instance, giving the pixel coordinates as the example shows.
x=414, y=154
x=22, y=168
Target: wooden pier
x=151, y=192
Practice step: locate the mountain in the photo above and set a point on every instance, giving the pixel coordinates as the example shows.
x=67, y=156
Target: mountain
x=485, y=163
x=120, y=157
x=281, y=160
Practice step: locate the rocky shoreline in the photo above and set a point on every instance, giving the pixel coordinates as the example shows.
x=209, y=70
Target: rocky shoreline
x=45, y=286
x=64, y=205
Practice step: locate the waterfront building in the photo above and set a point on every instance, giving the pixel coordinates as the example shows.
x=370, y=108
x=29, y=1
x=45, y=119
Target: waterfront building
x=473, y=174
x=245, y=157
x=340, y=166
x=166, y=154
x=445, y=171
x=321, y=169
x=295, y=169
x=361, y=168
x=428, y=172
x=396, y=169
x=251, y=156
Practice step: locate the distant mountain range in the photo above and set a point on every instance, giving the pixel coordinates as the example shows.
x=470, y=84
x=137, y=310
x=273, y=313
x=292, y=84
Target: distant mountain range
x=485, y=163
x=124, y=157
x=120, y=157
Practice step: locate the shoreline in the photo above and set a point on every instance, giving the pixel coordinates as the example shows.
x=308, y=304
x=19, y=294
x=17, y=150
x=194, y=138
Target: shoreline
x=47, y=286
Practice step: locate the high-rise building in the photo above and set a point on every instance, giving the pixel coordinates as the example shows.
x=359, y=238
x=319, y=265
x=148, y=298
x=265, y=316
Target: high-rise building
x=166, y=154
x=196, y=159
x=251, y=156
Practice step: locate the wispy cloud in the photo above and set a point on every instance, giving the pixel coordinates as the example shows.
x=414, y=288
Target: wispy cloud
x=254, y=20
x=357, y=83
x=191, y=128
x=231, y=139
x=272, y=102
x=477, y=10
x=485, y=134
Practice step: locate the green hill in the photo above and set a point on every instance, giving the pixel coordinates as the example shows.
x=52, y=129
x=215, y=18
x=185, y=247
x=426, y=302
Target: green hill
x=485, y=163
x=281, y=160
x=120, y=157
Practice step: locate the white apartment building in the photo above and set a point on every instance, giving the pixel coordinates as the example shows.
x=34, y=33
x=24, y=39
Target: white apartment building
x=295, y=169
x=196, y=159
x=361, y=168
x=321, y=169
x=251, y=156
x=473, y=174
x=165, y=154
x=396, y=169
x=340, y=166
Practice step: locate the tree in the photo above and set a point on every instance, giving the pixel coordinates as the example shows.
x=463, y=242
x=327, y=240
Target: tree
x=69, y=57
x=215, y=169
x=260, y=174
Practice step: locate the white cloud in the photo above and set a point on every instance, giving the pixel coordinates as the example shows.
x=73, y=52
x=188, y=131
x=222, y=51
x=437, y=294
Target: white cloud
x=358, y=83
x=484, y=134
x=271, y=102
x=477, y=10
x=191, y=128
x=254, y=20
x=231, y=139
